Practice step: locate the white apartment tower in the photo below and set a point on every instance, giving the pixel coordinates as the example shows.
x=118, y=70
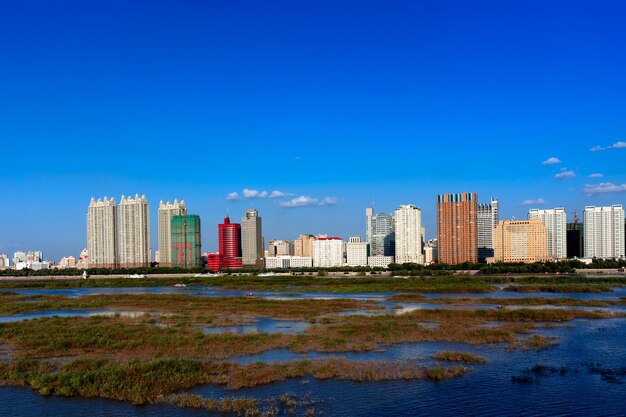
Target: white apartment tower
x=603, y=229
x=357, y=252
x=166, y=211
x=102, y=243
x=555, y=221
x=487, y=221
x=327, y=252
x=251, y=239
x=408, y=235
x=134, y=232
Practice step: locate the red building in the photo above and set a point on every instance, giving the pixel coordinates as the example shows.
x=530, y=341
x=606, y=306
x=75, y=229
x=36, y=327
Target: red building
x=213, y=262
x=229, y=237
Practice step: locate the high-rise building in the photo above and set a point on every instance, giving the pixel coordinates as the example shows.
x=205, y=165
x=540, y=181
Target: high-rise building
x=280, y=248
x=357, y=251
x=555, y=221
x=520, y=241
x=252, y=239
x=303, y=246
x=457, y=228
x=229, y=241
x=102, y=233
x=19, y=257
x=408, y=235
x=328, y=252
x=4, y=260
x=575, y=238
x=488, y=218
x=379, y=232
x=186, y=241
x=166, y=212
x=603, y=231
x=134, y=232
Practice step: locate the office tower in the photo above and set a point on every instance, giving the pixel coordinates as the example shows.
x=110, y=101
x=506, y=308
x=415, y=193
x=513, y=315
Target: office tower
x=327, y=252
x=102, y=234
x=555, y=221
x=251, y=239
x=166, y=212
x=229, y=240
x=303, y=246
x=457, y=228
x=408, y=235
x=520, y=241
x=603, y=231
x=186, y=251
x=134, y=232
x=357, y=251
x=487, y=217
x=280, y=248
x=575, y=238
x=379, y=233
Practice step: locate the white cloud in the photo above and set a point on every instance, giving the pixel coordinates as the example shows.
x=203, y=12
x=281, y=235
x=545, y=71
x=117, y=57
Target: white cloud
x=533, y=202
x=552, y=161
x=247, y=193
x=604, y=188
x=232, y=196
x=616, y=145
x=328, y=201
x=564, y=174
x=302, y=201
x=597, y=175
x=306, y=201
x=277, y=194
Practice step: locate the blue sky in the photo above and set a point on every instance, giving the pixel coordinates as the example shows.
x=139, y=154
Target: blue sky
x=335, y=104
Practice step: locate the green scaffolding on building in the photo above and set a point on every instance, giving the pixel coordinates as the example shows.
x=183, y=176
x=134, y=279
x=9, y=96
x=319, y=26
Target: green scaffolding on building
x=186, y=241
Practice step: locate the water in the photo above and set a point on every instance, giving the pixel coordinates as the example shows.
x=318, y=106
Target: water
x=581, y=375
x=70, y=313
x=262, y=325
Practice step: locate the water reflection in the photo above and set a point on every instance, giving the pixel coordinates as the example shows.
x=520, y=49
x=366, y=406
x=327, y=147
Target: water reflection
x=262, y=325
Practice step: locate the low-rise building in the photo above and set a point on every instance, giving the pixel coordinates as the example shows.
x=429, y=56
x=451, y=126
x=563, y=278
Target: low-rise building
x=285, y=262
x=379, y=261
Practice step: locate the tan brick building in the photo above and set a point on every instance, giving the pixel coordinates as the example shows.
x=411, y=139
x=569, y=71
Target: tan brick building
x=520, y=241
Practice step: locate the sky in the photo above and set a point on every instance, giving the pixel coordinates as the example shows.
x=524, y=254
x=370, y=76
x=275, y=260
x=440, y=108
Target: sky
x=332, y=106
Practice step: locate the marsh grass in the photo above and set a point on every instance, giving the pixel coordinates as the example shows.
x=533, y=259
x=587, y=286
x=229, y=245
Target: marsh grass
x=459, y=357
x=153, y=381
x=563, y=288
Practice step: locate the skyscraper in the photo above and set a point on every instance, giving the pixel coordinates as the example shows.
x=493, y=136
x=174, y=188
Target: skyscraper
x=603, y=230
x=134, y=232
x=487, y=221
x=379, y=233
x=252, y=239
x=408, y=235
x=229, y=240
x=520, y=241
x=186, y=241
x=102, y=234
x=457, y=228
x=555, y=221
x=166, y=212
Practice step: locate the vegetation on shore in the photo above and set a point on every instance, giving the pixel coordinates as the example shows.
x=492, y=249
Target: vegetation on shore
x=459, y=357
x=565, y=288
x=152, y=381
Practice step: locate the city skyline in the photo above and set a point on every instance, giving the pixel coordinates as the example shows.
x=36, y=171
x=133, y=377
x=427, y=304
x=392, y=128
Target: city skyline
x=306, y=111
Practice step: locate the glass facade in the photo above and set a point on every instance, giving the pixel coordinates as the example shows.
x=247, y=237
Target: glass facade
x=186, y=241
